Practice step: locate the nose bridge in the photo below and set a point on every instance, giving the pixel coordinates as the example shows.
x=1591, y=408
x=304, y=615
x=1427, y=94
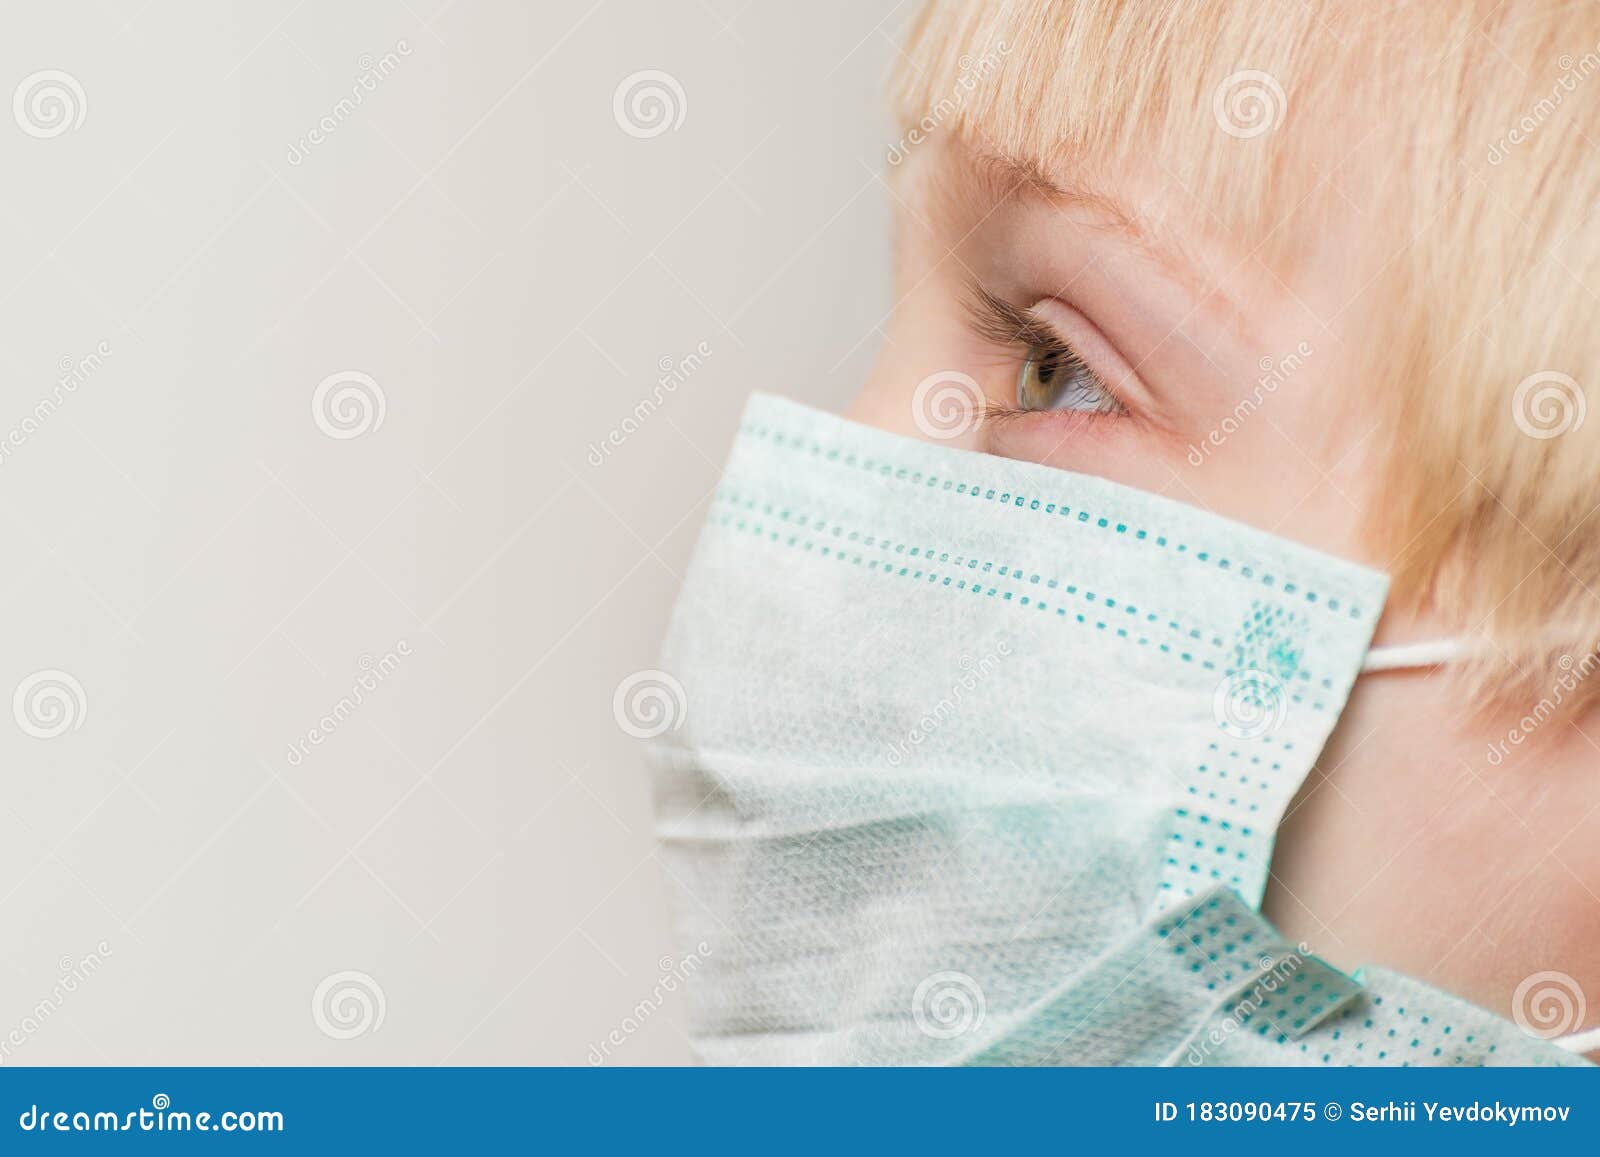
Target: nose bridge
x=943, y=405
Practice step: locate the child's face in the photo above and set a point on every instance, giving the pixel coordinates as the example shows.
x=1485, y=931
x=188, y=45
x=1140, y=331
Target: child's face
x=1194, y=371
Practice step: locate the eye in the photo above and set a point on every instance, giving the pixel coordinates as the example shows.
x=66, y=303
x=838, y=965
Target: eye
x=1054, y=377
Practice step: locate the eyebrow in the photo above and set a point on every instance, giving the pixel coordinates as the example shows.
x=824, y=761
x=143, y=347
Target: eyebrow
x=1002, y=175
x=1005, y=174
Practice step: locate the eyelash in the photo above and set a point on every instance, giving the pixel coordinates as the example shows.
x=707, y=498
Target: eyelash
x=998, y=321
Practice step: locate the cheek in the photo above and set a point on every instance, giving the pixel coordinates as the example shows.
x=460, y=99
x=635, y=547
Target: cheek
x=1115, y=448
x=1292, y=462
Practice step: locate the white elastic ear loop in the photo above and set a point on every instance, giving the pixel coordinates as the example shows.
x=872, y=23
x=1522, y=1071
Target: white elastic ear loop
x=1428, y=653
x=1586, y=1041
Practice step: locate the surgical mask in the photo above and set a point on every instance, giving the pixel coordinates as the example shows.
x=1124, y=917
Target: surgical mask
x=982, y=762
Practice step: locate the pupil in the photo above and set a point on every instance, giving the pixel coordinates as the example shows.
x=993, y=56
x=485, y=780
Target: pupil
x=1047, y=369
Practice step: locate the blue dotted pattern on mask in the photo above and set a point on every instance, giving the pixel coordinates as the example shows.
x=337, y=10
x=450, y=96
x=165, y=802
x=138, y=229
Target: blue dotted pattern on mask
x=1225, y=834
x=1109, y=624
x=1395, y=1020
x=1140, y=1002
x=817, y=527
x=1107, y=613
x=1229, y=947
x=1271, y=639
x=1043, y=506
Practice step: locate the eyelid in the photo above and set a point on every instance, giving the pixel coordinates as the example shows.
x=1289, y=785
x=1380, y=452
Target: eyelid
x=1003, y=323
x=999, y=321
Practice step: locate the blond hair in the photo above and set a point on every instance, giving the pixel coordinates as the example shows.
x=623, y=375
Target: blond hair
x=1487, y=118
